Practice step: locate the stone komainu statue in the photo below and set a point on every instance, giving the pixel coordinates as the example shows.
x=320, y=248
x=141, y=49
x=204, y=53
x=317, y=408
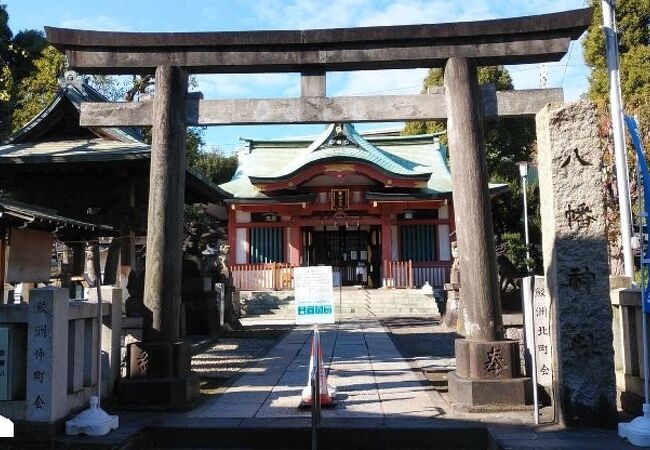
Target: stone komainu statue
x=508, y=272
x=450, y=319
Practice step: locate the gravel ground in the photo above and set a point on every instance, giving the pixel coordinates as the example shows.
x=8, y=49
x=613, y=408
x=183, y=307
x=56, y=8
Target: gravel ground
x=423, y=341
x=222, y=361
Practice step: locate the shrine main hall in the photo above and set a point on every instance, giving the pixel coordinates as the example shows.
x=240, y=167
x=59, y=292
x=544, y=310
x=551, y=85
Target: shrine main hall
x=376, y=207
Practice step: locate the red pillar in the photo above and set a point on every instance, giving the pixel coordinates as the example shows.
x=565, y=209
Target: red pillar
x=294, y=245
x=386, y=241
x=232, y=224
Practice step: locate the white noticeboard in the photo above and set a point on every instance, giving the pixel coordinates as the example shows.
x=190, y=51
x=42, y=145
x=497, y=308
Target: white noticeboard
x=314, y=295
x=537, y=317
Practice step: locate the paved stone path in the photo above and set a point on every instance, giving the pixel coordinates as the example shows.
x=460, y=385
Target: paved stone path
x=372, y=377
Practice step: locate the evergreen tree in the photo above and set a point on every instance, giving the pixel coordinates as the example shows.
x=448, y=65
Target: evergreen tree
x=17, y=56
x=37, y=89
x=632, y=19
x=507, y=141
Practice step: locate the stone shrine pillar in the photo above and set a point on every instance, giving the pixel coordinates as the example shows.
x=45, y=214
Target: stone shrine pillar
x=576, y=264
x=47, y=355
x=487, y=367
x=159, y=368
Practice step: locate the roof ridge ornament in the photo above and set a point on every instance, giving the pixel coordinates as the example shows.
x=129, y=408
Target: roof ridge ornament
x=339, y=137
x=70, y=77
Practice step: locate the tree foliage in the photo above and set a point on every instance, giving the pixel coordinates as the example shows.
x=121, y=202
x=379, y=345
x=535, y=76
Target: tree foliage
x=212, y=163
x=507, y=141
x=17, y=56
x=37, y=89
x=633, y=30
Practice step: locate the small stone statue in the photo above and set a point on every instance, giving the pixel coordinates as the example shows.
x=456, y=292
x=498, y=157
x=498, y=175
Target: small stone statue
x=450, y=319
x=134, y=305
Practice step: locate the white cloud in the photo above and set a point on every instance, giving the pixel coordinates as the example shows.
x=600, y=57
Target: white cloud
x=305, y=14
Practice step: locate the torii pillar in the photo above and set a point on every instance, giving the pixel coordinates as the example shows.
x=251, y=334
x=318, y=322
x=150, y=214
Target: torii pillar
x=487, y=367
x=165, y=378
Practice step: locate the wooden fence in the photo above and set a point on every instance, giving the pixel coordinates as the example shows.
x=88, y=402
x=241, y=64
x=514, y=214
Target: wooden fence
x=397, y=274
x=409, y=274
x=435, y=272
x=262, y=277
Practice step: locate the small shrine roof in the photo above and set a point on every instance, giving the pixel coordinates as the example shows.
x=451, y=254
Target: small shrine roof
x=43, y=218
x=72, y=91
x=49, y=138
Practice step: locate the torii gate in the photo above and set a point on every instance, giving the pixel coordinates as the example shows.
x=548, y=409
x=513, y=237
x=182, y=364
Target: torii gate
x=458, y=47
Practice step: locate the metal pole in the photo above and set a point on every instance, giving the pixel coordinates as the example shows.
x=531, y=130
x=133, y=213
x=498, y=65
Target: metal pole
x=99, y=339
x=616, y=113
x=526, y=238
x=315, y=388
x=533, y=354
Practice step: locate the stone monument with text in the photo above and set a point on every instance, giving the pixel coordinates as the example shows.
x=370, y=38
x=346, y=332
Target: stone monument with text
x=576, y=263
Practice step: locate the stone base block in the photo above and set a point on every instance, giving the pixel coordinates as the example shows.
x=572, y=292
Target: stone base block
x=487, y=360
x=490, y=393
x=159, y=393
x=158, y=360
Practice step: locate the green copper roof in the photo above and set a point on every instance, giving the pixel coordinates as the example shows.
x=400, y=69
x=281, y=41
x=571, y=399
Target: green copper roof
x=416, y=157
x=341, y=142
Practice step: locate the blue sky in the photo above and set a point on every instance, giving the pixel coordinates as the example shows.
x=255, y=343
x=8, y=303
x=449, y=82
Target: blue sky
x=213, y=15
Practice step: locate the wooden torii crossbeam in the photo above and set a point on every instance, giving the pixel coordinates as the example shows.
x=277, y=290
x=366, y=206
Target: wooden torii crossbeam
x=320, y=109
x=458, y=47
x=521, y=40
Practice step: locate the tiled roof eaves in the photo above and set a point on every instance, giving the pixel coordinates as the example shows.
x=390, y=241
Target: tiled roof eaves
x=285, y=199
x=88, y=157
x=31, y=213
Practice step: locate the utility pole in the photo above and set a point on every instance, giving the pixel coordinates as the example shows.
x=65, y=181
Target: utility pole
x=616, y=113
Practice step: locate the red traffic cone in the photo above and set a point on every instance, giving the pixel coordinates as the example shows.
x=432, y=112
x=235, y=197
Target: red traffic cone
x=327, y=392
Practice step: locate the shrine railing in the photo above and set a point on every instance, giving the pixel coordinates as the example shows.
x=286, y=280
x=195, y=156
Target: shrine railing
x=59, y=338
x=410, y=274
x=262, y=277
x=435, y=272
x=398, y=274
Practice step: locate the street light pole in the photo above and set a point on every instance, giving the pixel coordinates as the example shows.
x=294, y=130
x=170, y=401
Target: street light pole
x=523, y=173
x=616, y=113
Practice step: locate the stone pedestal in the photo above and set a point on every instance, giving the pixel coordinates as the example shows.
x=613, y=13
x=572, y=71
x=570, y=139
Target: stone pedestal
x=488, y=375
x=159, y=377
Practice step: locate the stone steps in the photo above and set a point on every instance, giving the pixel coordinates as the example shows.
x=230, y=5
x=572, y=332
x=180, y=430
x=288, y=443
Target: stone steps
x=347, y=303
